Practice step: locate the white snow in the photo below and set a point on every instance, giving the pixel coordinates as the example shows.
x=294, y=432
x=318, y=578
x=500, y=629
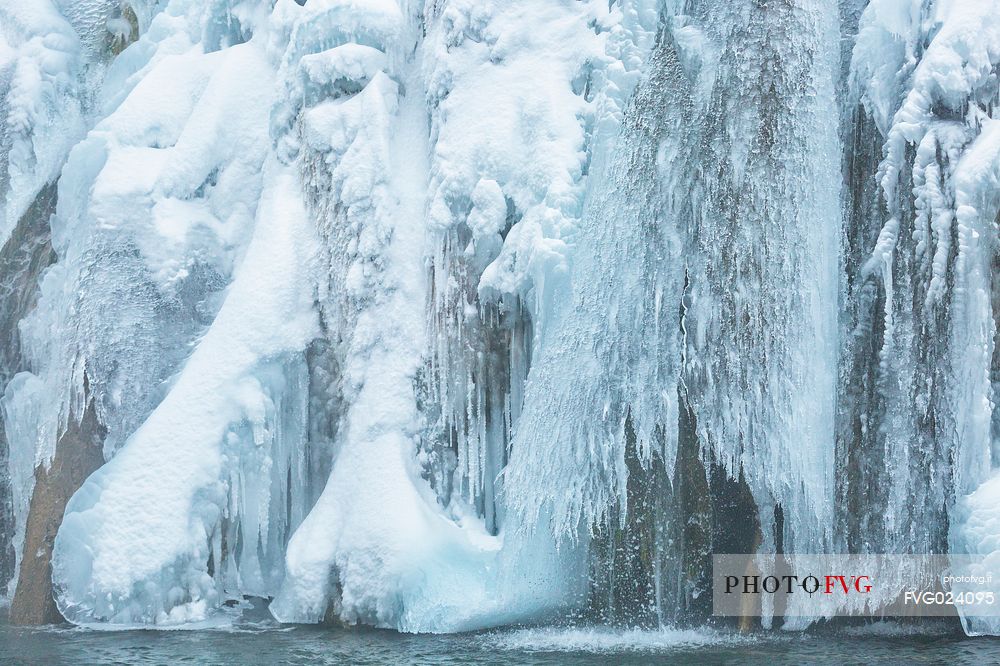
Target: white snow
x=185, y=180
x=40, y=106
x=132, y=524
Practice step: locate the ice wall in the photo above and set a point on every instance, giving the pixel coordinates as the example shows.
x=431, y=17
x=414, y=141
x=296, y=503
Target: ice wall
x=48, y=64
x=924, y=300
x=142, y=264
x=926, y=77
x=428, y=410
x=755, y=189
x=157, y=213
x=442, y=315
x=309, y=122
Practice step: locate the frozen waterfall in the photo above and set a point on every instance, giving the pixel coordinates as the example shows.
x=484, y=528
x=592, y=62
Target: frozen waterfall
x=443, y=315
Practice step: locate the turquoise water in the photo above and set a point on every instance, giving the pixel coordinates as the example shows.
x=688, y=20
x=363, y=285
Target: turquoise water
x=268, y=643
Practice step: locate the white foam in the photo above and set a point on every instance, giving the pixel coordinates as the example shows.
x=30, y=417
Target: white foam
x=608, y=640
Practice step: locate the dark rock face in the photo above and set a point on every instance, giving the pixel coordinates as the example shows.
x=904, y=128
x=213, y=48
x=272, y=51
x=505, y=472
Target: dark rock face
x=22, y=259
x=79, y=453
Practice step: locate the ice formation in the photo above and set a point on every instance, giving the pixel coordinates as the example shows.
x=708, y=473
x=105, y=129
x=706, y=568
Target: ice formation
x=443, y=315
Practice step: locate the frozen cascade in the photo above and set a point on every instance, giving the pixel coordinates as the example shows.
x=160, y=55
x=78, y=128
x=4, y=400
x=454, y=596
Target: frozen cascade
x=443, y=315
x=760, y=358
x=184, y=232
x=501, y=240
x=569, y=448
x=754, y=366
x=31, y=151
x=50, y=63
x=355, y=556
x=901, y=330
x=922, y=324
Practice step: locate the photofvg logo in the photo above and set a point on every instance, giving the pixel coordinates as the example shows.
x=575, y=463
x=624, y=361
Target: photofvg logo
x=854, y=585
x=810, y=584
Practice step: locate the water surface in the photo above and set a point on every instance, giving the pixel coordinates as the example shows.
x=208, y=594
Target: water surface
x=269, y=643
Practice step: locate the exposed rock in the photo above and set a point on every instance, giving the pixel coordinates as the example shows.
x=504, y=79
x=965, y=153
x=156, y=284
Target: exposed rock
x=26, y=254
x=79, y=452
